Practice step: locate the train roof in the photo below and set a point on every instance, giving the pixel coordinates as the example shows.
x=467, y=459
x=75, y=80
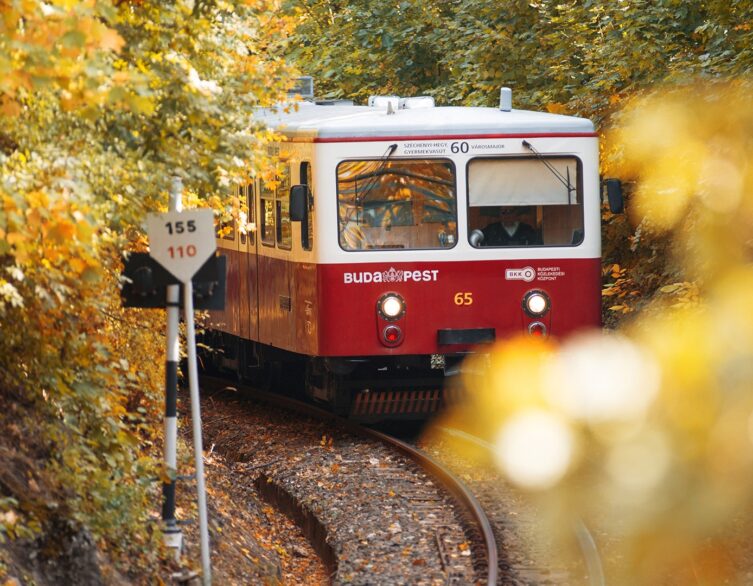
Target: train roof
x=346, y=121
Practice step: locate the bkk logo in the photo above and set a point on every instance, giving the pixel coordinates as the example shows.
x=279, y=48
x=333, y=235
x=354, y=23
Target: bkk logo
x=391, y=276
x=526, y=274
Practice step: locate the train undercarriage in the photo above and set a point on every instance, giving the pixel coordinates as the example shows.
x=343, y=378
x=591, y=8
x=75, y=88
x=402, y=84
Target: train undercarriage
x=366, y=389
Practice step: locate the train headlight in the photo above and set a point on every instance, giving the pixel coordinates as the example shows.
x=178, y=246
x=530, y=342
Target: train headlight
x=391, y=306
x=536, y=303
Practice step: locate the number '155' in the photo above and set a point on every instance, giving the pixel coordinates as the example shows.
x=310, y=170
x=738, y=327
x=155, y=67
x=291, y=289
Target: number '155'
x=180, y=226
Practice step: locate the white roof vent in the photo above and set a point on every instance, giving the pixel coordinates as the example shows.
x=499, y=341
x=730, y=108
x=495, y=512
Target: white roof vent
x=505, y=99
x=384, y=101
x=417, y=102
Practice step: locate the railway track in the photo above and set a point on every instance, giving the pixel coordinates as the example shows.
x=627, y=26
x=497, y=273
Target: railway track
x=450, y=521
x=485, y=556
x=592, y=564
x=519, y=563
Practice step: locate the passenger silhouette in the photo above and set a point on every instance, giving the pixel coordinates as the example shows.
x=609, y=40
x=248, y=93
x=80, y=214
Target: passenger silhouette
x=512, y=229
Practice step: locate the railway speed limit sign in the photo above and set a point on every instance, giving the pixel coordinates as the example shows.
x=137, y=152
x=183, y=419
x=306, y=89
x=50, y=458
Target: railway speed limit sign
x=181, y=241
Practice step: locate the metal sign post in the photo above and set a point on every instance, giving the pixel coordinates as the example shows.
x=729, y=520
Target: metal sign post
x=173, y=536
x=181, y=242
x=193, y=381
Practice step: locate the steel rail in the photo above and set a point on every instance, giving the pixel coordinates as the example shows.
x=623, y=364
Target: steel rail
x=586, y=541
x=434, y=469
x=458, y=490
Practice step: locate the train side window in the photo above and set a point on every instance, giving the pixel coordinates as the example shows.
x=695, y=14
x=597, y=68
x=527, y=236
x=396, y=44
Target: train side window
x=242, y=215
x=226, y=225
x=251, y=201
x=267, y=212
x=247, y=214
x=282, y=209
x=307, y=225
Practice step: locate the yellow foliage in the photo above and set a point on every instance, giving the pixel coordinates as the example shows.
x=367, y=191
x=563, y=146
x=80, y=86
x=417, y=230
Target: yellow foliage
x=556, y=108
x=104, y=126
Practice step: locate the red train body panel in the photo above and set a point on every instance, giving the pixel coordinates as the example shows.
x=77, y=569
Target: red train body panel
x=350, y=328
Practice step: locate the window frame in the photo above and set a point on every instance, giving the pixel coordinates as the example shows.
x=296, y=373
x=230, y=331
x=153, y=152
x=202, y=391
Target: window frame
x=307, y=226
x=282, y=194
x=248, y=193
x=443, y=160
x=579, y=198
x=270, y=242
x=231, y=235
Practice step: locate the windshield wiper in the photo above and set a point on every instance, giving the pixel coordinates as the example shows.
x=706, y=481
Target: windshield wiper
x=565, y=180
x=374, y=179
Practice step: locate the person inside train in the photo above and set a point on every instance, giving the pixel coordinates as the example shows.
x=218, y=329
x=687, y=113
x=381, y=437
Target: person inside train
x=515, y=227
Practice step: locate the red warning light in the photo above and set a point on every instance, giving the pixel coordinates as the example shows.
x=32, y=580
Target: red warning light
x=537, y=329
x=392, y=335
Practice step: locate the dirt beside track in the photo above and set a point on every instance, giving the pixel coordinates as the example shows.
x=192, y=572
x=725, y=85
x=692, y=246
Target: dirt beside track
x=386, y=522
x=251, y=541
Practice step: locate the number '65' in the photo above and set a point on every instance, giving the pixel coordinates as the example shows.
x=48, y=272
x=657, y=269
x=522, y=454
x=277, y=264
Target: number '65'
x=465, y=298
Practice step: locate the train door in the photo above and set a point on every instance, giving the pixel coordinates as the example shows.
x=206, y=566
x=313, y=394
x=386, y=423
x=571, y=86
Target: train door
x=249, y=301
x=275, y=267
x=253, y=199
x=305, y=273
x=284, y=235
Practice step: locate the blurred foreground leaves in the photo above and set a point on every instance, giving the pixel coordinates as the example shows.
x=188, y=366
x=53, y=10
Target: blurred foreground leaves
x=646, y=433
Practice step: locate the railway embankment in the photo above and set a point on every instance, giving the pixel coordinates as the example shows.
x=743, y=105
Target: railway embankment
x=381, y=518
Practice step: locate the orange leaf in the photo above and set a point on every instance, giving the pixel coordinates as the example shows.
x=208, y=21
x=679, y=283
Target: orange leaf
x=62, y=231
x=77, y=265
x=15, y=238
x=9, y=107
x=110, y=40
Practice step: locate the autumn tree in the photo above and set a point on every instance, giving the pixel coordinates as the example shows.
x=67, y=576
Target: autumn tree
x=582, y=58
x=358, y=48
x=101, y=105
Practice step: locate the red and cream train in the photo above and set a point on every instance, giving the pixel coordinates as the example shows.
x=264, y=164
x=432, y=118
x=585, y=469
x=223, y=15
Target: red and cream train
x=400, y=236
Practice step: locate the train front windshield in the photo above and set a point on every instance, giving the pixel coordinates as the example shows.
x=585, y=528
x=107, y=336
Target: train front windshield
x=397, y=204
x=525, y=201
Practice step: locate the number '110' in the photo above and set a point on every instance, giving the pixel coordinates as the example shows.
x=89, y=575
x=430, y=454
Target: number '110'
x=182, y=251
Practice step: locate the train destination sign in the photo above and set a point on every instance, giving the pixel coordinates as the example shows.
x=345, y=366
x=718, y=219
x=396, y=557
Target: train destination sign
x=450, y=147
x=182, y=241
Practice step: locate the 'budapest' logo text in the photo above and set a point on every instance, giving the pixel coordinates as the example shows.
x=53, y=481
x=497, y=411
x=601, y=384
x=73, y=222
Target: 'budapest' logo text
x=391, y=276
